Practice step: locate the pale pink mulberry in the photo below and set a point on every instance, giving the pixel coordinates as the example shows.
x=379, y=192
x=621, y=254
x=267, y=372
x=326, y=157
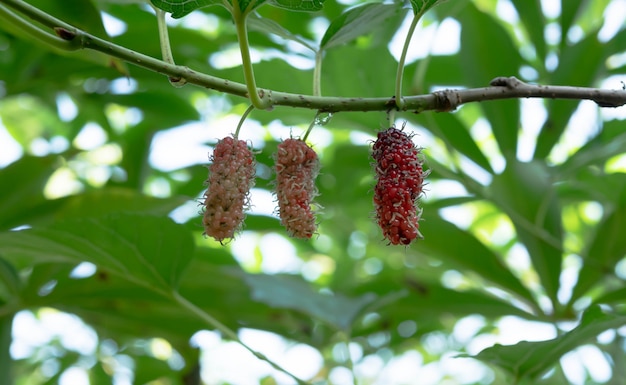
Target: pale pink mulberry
x=297, y=166
x=231, y=175
x=400, y=178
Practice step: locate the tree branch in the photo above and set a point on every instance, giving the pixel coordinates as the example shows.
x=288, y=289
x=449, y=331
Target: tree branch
x=446, y=100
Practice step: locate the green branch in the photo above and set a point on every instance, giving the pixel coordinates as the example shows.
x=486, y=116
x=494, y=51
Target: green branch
x=9, y=18
x=447, y=100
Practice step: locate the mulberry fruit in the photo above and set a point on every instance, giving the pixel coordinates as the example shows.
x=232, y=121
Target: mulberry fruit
x=231, y=175
x=296, y=167
x=400, y=178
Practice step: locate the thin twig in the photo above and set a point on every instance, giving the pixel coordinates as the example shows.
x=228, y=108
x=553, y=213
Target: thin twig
x=446, y=100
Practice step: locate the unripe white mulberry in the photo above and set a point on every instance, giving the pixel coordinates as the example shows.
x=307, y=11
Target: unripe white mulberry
x=231, y=175
x=296, y=167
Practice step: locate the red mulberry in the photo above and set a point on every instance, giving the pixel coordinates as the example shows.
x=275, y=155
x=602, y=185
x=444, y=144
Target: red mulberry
x=297, y=166
x=400, y=179
x=231, y=175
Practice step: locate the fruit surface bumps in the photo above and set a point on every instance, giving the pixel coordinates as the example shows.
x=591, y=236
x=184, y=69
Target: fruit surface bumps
x=231, y=175
x=399, y=184
x=296, y=168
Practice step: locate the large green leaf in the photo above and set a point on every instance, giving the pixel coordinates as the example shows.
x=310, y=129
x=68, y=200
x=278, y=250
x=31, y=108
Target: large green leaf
x=449, y=128
x=596, y=151
x=435, y=300
x=10, y=283
x=6, y=361
x=446, y=241
x=533, y=19
x=524, y=191
x=85, y=15
x=487, y=51
x=298, y=5
x=26, y=178
x=113, y=305
x=27, y=118
x=99, y=203
x=180, y=8
x=80, y=13
x=569, y=11
x=344, y=74
x=579, y=65
x=608, y=245
x=356, y=22
x=152, y=251
x=290, y=292
x=264, y=24
x=529, y=360
x=421, y=6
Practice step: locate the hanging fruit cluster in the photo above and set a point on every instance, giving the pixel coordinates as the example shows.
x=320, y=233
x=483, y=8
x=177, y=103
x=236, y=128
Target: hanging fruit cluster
x=399, y=175
x=400, y=178
x=296, y=168
x=231, y=176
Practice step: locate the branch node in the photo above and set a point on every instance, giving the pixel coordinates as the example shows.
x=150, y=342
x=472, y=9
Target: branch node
x=177, y=81
x=508, y=82
x=65, y=33
x=447, y=100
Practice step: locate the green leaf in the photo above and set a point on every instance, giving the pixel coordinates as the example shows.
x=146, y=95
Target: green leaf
x=446, y=241
x=151, y=369
x=433, y=300
x=152, y=251
x=595, y=152
x=263, y=24
x=27, y=118
x=85, y=15
x=345, y=74
x=180, y=8
x=615, y=297
x=356, y=22
x=481, y=37
x=533, y=19
x=454, y=132
x=569, y=11
x=105, y=201
x=80, y=13
x=290, y=292
x=6, y=361
x=421, y=6
x=529, y=360
x=524, y=191
x=10, y=283
x=99, y=374
x=27, y=178
x=608, y=245
x=578, y=66
x=112, y=304
x=298, y=5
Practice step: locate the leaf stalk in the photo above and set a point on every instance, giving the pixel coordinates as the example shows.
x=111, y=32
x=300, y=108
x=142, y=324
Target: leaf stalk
x=402, y=60
x=258, y=99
